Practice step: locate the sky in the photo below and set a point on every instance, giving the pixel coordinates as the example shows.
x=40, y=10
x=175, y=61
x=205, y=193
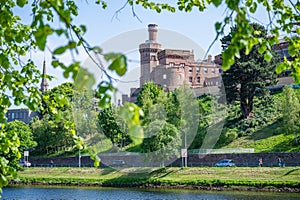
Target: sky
x=124, y=32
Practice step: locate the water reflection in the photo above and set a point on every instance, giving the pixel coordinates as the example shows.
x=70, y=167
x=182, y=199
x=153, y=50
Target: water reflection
x=66, y=193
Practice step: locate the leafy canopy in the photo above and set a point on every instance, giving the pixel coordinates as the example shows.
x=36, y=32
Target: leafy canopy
x=250, y=73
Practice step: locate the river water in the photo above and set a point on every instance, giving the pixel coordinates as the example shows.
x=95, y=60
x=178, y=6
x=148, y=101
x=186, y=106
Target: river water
x=83, y=193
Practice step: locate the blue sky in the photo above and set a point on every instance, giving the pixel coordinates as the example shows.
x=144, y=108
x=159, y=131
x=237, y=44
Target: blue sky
x=176, y=30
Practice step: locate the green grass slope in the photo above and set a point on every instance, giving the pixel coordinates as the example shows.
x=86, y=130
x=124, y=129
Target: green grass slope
x=268, y=139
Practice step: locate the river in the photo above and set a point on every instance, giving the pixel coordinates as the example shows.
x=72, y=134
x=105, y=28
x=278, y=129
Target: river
x=82, y=193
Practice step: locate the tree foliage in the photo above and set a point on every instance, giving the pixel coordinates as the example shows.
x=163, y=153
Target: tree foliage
x=58, y=99
x=248, y=75
x=152, y=100
x=291, y=112
x=41, y=133
x=9, y=144
x=113, y=127
x=162, y=142
x=24, y=133
x=56, y=129
x=52, y=136
x=205, y=103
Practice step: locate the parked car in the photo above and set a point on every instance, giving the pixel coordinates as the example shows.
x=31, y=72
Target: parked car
x=225, y=163
x=118, y=163
x=25, y=163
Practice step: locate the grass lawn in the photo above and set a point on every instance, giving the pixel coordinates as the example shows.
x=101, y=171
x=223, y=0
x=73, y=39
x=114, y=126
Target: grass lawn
x=193, y=176
x=269, y=139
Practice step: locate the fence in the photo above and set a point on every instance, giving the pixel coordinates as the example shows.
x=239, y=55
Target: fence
x=221, y=151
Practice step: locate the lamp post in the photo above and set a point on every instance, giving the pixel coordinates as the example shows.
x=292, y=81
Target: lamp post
x=79, y=159
x=185, y=149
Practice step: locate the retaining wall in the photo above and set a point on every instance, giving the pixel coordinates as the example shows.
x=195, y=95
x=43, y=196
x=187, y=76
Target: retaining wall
x=135, y=160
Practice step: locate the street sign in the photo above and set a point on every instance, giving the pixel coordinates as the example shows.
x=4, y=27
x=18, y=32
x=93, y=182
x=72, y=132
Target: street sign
x=26, y=153
x=184, y=153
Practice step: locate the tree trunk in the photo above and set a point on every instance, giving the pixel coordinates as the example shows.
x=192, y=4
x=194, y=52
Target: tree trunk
x=246, y=106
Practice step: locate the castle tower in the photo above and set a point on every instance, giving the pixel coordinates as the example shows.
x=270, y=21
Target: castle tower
x=44, y=83
x=148, y=54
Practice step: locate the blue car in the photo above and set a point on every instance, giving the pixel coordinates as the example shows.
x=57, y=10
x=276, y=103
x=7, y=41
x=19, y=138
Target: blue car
x=225, y=163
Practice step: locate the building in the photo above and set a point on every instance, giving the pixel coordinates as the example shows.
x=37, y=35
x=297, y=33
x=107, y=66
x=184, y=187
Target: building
x=171, y=68
x=24, y=114
x=281, y=49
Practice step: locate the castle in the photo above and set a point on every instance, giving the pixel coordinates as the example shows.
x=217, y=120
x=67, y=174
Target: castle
x=171, y=68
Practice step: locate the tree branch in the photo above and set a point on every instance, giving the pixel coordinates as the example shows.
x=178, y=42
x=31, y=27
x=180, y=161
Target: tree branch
x=217, y=37
x=119, y=11
x=295, y=8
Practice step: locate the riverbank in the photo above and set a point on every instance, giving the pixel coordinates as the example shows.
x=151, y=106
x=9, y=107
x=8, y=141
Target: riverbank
x=208, y=178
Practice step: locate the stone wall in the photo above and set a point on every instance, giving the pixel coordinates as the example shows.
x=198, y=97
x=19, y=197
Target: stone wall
x=246, y=159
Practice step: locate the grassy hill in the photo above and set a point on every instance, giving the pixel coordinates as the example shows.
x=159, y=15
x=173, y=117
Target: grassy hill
x=268, y=139
x=269, y=135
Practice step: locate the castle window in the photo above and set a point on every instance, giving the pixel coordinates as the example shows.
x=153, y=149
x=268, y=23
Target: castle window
x=205, y=70
x=198, y=69
x=179, y=76
x=198, y=79
x=181, y=64
x=165, y=76
x=191, y=79
x=171, y=64
x=153, y=58
x=212, y=70
x=190, y=69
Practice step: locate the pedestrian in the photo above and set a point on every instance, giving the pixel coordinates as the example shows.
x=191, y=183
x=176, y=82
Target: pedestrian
x=279, y=162
x=260, y=162
x=51, y=163
x=282, y=163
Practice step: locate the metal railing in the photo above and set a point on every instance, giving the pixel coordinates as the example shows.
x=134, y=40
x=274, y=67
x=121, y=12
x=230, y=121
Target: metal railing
x=221, y=151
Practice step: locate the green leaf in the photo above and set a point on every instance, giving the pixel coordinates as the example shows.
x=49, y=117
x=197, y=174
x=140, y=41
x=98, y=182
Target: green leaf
x=41, y=35
x=281, y=67
x=228, y=59
x=72, y=44
x=119, y=65
x=97, y=49
x=21, y=3
x=59, y=31
x=292, y=50
x=218, y=26
x=217, y=2
x=262, y=49
x=268, y=56
x=253, y=7
x=110, y=56
x=60, y=50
